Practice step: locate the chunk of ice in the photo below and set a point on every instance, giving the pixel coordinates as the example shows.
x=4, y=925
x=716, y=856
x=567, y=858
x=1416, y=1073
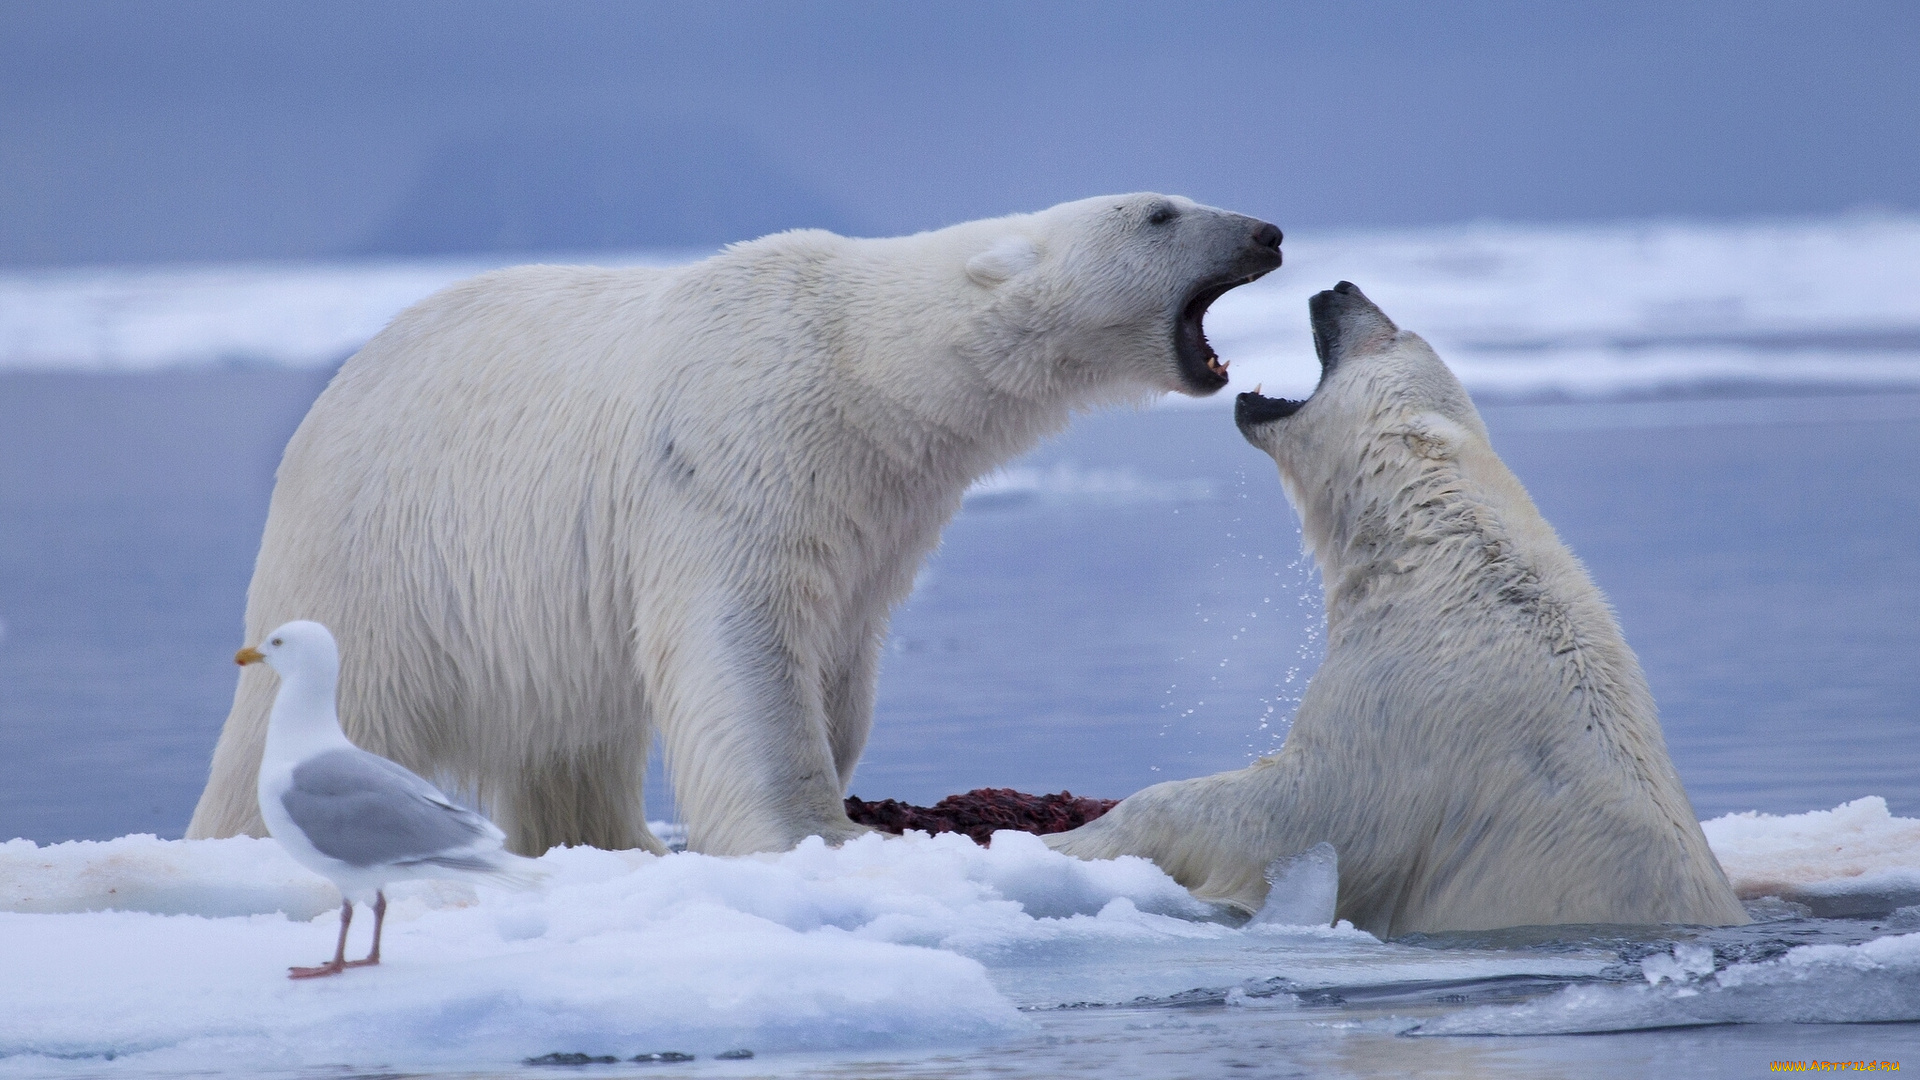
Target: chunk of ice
x=1687, y=962
x=1302, y=889
x=1854, y=861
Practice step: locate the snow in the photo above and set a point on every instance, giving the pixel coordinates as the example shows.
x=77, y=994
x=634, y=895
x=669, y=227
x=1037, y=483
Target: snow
x=622, y=953
x=160, y=955
x=884, y=942
x=210, y=878
x=1566, y=310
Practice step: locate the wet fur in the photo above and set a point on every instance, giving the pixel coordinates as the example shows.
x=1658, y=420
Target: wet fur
x=1480, y=744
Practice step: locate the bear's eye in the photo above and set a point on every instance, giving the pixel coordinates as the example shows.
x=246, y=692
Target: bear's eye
x=1162, y=214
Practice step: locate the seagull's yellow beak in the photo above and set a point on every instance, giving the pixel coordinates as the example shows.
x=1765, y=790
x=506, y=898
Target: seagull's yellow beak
x=248, y=656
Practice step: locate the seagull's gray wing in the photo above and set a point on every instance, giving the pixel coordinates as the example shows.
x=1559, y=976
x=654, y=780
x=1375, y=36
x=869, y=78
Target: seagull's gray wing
x=367, y=811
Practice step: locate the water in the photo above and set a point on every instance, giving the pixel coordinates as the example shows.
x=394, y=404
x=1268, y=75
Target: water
x=1126, y=605
x=1760, y=554
x=905, y=956
x=130, y=511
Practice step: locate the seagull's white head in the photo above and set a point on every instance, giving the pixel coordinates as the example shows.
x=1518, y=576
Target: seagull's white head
x=300, y=645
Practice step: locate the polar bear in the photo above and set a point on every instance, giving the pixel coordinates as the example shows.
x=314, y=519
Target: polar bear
x=1479, y=745
x=554, y=512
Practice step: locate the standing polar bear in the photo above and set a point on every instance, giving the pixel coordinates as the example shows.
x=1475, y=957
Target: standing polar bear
x=553, y=512
x=1479, y=745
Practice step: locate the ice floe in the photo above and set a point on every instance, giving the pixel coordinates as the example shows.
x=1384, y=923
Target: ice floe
x=1856, y=859
x=167, y=954
x=884, y=942
x=622, y=953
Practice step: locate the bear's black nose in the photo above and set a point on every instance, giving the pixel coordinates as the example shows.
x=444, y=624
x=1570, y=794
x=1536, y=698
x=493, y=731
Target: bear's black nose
x=1267, y=235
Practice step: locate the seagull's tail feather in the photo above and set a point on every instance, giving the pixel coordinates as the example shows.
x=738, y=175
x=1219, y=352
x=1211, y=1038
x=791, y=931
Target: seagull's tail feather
x=497, y=867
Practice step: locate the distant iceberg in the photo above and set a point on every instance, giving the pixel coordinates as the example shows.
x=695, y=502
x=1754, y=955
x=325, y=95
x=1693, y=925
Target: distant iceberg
x=1519, y=311
x=1610, y=309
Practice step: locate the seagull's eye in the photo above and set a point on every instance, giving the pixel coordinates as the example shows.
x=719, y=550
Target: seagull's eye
x=275, y=641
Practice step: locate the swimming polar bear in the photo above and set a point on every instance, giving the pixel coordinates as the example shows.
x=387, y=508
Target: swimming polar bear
x=1479, y=745
x=554, y=511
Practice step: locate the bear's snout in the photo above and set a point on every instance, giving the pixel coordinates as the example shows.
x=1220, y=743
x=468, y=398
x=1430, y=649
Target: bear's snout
x=1343, y=318
x=1262, y=253
x=1267, y=235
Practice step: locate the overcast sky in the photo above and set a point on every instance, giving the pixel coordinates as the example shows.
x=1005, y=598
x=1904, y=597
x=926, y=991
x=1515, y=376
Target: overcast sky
x=176, y=130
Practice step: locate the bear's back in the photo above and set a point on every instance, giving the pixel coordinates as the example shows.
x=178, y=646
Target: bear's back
x=1485, y=650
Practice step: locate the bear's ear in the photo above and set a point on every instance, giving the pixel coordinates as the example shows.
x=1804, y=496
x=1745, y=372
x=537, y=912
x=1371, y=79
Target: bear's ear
x=1008, y=256
x=1434, y=436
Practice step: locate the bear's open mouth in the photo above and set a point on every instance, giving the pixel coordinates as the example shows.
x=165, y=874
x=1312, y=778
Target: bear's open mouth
x=1252, y=409
x=1201, y=368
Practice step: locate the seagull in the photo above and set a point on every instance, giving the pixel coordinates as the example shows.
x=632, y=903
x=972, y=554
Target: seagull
x=354, y=817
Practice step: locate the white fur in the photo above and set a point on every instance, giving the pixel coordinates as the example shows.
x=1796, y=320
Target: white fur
x=1010, y=255
x=553, y=512
x=1480, y=744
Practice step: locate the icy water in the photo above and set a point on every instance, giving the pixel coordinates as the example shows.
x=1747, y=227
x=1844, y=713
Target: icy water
x=1127, y=605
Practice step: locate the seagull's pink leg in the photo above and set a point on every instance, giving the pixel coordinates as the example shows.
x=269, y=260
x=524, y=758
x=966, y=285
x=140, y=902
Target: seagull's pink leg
x=379, y=918
x=339, y=961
